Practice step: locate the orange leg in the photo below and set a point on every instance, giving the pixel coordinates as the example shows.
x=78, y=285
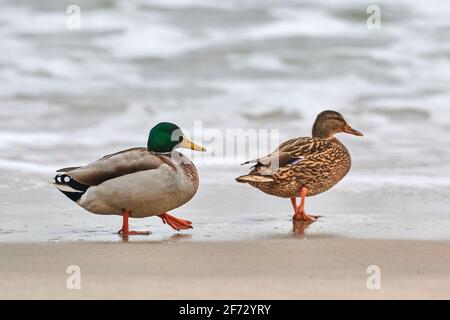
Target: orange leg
x=176, y=223
x=300, y=214
x=294, y=202
x=125, y=228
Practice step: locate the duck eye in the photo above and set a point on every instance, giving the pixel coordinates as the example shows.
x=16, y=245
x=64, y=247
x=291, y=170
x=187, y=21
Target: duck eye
x=180, y=139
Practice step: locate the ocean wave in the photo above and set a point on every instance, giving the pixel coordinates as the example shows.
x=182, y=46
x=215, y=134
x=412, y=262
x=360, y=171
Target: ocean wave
x=234, y=64
x=149, y=41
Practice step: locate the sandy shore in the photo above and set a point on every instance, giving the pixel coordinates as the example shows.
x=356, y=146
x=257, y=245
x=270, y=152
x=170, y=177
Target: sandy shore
x=243, y=245
x=264, y=269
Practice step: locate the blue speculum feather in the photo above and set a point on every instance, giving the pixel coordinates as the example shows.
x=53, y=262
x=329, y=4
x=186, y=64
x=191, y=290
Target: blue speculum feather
x=295, y=161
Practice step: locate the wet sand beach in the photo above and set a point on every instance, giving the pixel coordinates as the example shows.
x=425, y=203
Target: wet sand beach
x=243, y=245
x=265, y=269
x=69, y=97
x=224, y=210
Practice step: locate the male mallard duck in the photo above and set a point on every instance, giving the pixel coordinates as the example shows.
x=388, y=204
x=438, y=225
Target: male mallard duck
x=138, y=182
x=304, y=167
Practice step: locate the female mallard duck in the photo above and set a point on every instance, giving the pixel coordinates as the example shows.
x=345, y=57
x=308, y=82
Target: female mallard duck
x=138, y=182
x=304, y=167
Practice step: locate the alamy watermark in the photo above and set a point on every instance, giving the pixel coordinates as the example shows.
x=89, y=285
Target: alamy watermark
x=373, y=21
x=73, y=281
x=229, y=146
x=73, y=19
x=374, y=279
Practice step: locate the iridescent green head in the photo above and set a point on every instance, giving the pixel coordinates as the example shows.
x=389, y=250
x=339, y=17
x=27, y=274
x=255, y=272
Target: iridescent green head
x=166, y=136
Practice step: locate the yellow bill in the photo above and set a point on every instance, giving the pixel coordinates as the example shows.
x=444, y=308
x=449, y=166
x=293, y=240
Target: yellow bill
x=188, y=144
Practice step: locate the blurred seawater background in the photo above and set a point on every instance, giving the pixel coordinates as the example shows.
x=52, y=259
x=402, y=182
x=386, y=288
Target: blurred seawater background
x=68, y=97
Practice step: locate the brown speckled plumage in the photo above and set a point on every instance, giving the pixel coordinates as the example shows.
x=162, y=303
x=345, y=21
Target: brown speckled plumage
x=325, y=162
x=317, y=163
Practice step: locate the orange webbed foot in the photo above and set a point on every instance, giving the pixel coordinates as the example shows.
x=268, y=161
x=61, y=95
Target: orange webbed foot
x=301, y=215
x=176, y=223
x=125, y=227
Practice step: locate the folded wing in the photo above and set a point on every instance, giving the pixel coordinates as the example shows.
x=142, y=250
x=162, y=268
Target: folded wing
x=116, y=165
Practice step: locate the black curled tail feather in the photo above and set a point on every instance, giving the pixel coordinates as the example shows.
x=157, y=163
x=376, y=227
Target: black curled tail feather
x=69, y=186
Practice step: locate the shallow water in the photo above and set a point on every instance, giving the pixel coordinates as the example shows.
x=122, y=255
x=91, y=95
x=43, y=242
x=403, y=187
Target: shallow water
x=71, y=96
x=224, y=211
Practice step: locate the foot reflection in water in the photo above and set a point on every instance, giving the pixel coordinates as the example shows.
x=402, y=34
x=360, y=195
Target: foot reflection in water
x=181, y=236
x=299, y=228
x=175, y=237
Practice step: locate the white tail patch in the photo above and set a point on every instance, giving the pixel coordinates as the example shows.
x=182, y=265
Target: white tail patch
x=64, y=187
x=254, y=178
